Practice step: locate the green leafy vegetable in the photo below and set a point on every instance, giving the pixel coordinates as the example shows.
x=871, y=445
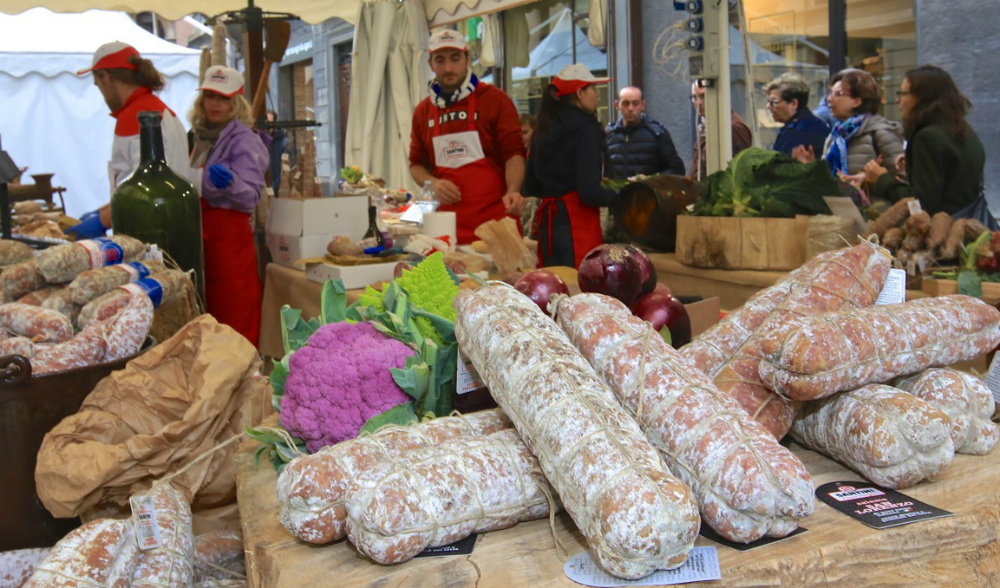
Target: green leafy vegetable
x=759, y=182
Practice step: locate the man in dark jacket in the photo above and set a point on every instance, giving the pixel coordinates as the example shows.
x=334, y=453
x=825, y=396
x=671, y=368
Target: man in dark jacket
x=638, y=144
x=788, y=101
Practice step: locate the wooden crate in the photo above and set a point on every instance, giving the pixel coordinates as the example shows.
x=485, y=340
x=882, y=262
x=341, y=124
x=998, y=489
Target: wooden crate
x=936, y=287
x=742, y=243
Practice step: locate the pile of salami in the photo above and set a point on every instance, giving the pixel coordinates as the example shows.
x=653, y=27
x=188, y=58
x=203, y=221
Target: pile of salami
x=641, y=443
x=80, y=304
x=106, y=552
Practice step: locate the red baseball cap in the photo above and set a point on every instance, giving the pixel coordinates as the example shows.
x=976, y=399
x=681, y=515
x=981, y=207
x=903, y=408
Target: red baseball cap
x=573, y=77
x=112, y=56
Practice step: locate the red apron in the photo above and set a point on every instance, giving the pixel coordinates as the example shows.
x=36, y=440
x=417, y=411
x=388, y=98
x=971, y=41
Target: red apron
x=584, y=225
x=481, y=186
x=232, y=288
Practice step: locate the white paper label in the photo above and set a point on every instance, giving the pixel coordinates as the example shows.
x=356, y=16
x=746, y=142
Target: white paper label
x=94, y=252
x=993, y=378
x=702, y=565
x=894, y=290
x=914, y=206
x=911, y=268
x=147, y=532
x=154, y=253
x=467, y=379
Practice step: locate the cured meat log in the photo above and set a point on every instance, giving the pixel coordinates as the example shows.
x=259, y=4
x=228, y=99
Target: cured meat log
x=438, y=495
x=748, y=485
x=894, y=439
x=814, y=357
x=635, y=515
x=100, y=553
x=965, y=399
x=38, y=324
x=170, y=565
x=849, y=278
x=313, y=489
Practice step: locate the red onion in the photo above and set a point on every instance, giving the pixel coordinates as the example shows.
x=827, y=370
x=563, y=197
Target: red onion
x=664, y=311
x=621, y=271
x=540, y=285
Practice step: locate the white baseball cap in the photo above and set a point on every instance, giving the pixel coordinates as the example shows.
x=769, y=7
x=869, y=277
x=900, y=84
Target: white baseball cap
x=446, y=39
x=112, y=55
x=573, y=77
x=222, y=80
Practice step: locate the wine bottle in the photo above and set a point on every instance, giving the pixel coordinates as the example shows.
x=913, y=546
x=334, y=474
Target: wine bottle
x=373, y=230
x=156, y=205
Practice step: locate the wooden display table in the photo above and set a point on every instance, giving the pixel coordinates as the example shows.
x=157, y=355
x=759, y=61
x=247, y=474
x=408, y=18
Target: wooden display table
x=963, y=549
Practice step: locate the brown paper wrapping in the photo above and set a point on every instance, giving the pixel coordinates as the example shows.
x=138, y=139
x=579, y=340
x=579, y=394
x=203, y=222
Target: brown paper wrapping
x=167, y=407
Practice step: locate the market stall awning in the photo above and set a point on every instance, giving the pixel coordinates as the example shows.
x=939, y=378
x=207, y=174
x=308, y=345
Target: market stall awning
x=311, y=11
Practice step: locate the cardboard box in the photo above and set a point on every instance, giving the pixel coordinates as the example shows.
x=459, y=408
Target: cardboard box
x=298, y=229
x=703, y=314
x=353, y=276
x=742, y=243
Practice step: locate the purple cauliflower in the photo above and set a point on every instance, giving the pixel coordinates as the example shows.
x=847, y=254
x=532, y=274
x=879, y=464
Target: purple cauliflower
x=338, y=380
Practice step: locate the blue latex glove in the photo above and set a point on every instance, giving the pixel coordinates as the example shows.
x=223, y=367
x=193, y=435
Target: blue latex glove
x=89, y=228
x=219, y=175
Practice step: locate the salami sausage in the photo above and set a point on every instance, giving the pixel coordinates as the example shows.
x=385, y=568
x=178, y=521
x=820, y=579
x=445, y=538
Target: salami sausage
x=63, y=263
x=219, y=549
x=93, y=283
x=170, y=565
x=17, y=346
x=748, y=485
x=126, y=330
x=965, y=399
x=888, y=436
x=313, y=489
x=814, y=357
x=635, y=515
x=441, y=494
x=100, y=553
x=12, y=252
x=21, y=278
x=158, y=287
x=86, y=348
x=39, y=324
x=39, y=296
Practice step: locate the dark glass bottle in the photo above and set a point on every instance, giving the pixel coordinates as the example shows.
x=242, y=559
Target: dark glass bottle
x=373, y=230
x=156, y=205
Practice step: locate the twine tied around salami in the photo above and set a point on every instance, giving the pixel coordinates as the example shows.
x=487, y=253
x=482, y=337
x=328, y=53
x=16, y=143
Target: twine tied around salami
x=63, y=263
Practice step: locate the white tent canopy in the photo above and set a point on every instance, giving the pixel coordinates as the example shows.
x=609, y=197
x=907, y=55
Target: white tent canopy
x=55, y=121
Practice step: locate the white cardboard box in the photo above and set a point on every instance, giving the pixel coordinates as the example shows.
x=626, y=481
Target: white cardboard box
x=297, y=229
x=353, y=276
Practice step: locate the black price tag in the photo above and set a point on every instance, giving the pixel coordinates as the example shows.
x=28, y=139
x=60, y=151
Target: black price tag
x=460, y=547
x=879, y=508
x=709, y=533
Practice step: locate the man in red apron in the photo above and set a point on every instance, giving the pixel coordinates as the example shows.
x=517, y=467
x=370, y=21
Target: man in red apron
x=466, y=140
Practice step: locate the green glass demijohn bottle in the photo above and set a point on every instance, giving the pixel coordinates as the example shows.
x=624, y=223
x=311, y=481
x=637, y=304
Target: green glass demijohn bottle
x=156, y=205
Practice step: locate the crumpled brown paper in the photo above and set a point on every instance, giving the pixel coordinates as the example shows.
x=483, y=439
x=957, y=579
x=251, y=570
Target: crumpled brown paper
x=170, y=405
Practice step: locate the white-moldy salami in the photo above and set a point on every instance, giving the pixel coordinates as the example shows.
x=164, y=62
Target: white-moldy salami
x=219, y=555
x=21, y=278
x=438, y=495
x=38, y=324
x=99, y=553
x=163, y=285
x=17, y=346
x=93, y=283
x=965, y=399
x=313, y=489
x=894, y=439
x=39, y=296
x=748, y=485
x=63, y=263
x=60, y=302
x=88, y=347
x=171, y=565
x=12, y=252
x=852, y=279
x=635, y=515
x=814, y=357
x=126, y=330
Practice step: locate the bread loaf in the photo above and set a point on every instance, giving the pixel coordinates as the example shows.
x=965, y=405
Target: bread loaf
x=313, y=489
x=965, y=399
x=814, y=357
x=635, y=515
x=102, y=553
x=438, y=495
x=171, y=565
x=894, y=439
x=748, y=486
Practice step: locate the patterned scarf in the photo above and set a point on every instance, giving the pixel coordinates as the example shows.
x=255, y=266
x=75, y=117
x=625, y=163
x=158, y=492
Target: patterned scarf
x=465, y=89
x=836, y=157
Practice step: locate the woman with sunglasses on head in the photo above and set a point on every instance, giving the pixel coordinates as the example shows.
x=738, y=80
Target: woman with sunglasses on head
x=944, y=156
x=229, y=160
x=566, y=167
x=859, y=134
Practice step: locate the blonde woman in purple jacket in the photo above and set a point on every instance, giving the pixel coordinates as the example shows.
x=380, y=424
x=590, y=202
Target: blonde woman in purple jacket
x=229, y=160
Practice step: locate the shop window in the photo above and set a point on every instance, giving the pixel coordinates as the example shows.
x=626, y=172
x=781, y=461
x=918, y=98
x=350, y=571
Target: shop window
x=882, y=40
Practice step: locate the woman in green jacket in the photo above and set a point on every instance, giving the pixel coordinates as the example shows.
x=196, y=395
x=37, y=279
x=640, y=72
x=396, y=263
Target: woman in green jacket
x=944, y=158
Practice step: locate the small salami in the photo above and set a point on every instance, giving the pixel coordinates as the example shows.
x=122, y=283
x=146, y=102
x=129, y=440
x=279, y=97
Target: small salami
x=60, y=302
x=39, y=296
x=127, y=329
x=63, y=263
x=21, y=278
x=967, y=402
x=12, y=252
x=17, y=346
x=87, y=348
x=96, y=282
x=158, y=287
x=39, y=324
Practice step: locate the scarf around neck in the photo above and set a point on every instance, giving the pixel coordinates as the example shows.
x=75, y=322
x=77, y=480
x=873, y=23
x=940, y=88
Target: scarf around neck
x=841, y=132
x=465, y=89
x=204, y=140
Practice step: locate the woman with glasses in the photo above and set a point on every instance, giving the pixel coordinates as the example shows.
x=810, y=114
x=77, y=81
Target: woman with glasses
x=859, y=133
x=944, y=157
